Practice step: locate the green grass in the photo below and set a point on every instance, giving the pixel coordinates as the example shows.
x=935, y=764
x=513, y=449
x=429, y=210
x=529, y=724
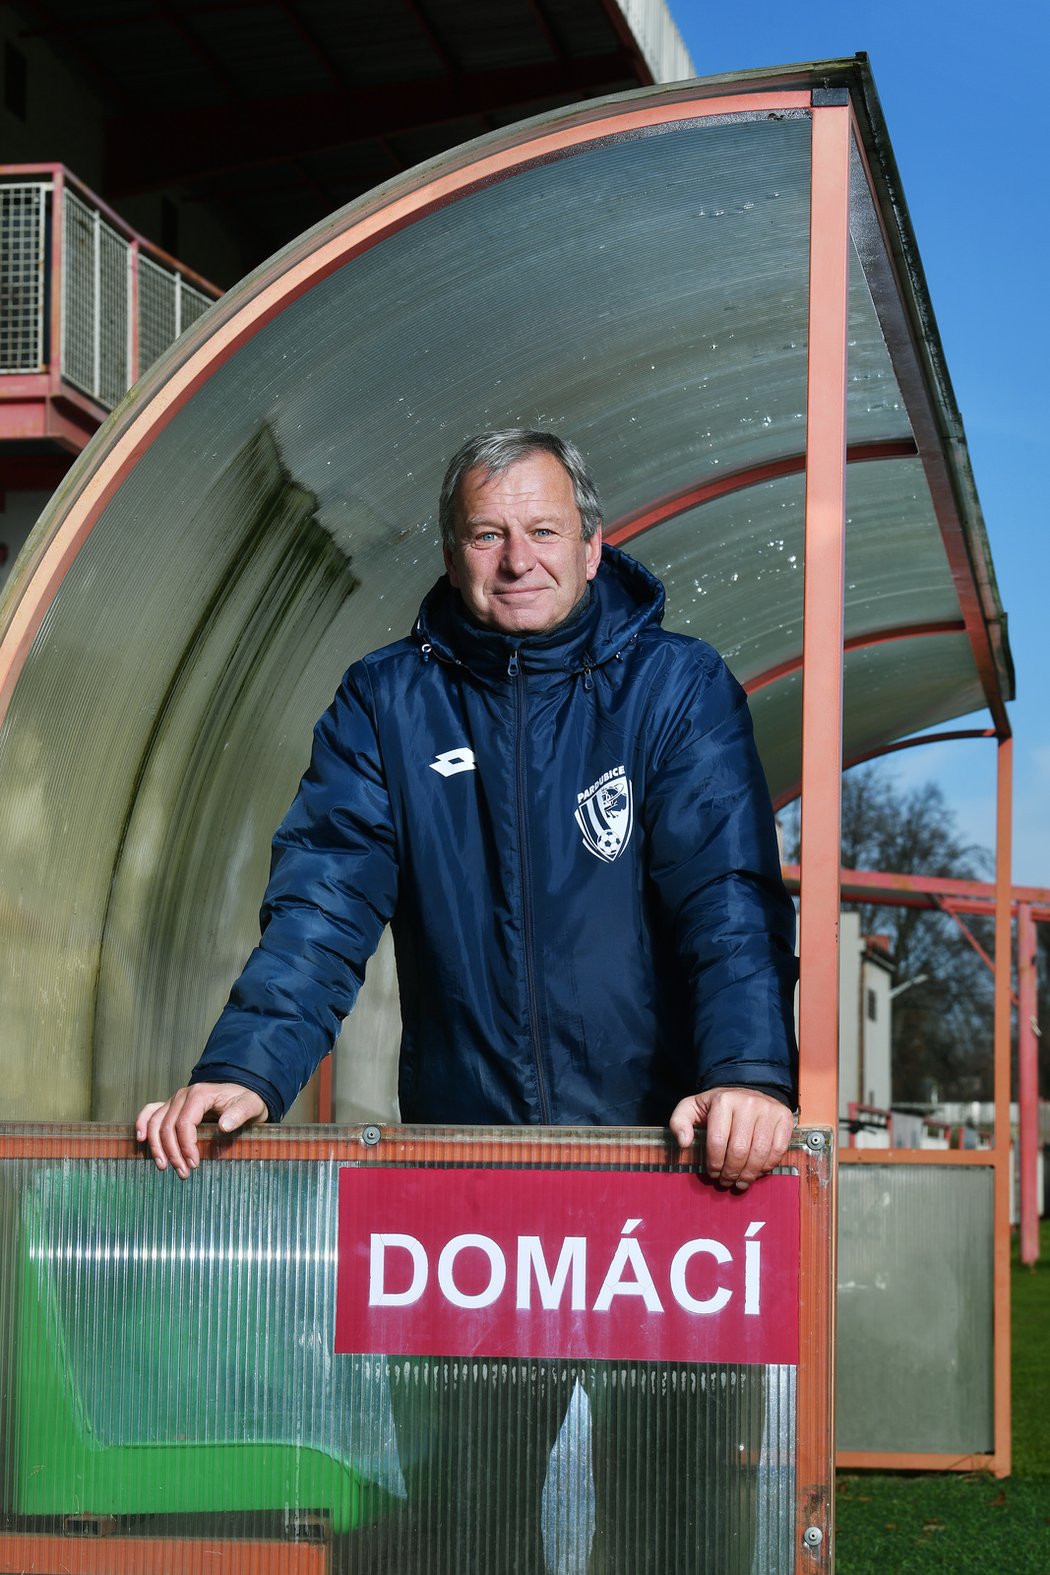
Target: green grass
x=928, y=1524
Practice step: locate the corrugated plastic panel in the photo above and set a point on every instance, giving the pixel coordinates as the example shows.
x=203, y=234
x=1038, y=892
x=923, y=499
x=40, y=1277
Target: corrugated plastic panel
x=173, y=1369
x=733, y=568
x=915, y=1292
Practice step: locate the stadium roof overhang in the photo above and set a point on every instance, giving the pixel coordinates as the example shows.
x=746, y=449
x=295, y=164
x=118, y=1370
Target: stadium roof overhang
x=637, y=273
x=274, y=114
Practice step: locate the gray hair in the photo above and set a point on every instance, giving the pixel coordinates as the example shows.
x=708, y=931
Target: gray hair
x=495, y=452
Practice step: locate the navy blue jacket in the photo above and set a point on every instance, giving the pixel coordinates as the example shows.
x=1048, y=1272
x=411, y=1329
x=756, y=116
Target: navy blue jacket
x=572, y=838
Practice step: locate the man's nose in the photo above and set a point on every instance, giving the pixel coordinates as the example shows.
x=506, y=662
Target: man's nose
x=519, y=554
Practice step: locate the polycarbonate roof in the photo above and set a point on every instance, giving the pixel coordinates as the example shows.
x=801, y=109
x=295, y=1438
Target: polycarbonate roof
x=262, y=510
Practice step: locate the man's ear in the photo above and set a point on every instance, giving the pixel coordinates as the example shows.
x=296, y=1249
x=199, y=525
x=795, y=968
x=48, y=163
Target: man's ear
x=450, y=565
x=594, y=553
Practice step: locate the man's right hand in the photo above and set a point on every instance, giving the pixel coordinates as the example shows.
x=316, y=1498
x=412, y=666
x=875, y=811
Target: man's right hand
x=170, y=1128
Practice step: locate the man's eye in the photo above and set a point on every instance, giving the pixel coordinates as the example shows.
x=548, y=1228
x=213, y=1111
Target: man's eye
x=543, y=530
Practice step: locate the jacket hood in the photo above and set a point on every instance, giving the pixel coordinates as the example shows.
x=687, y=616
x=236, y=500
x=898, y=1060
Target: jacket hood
x=624, y=599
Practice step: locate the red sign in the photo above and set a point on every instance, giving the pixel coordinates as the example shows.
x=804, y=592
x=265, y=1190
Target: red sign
x=614, y=1265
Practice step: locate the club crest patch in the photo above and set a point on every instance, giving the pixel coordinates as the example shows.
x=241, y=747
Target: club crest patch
x=605, y=814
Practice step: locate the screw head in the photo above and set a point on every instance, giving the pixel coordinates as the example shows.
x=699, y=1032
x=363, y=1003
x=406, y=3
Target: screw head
x=813, y=1536
x=816, y=1140
x=370, y=1136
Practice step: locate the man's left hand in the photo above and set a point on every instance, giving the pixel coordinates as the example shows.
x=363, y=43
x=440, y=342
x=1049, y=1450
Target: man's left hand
x=747, y=1132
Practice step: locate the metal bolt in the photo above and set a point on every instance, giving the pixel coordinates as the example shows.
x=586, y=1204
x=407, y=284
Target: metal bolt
x=816, y=1140
x=370, y=1136
x=813, y=1537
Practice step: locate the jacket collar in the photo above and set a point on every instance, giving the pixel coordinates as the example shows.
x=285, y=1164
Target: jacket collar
x=625, y=598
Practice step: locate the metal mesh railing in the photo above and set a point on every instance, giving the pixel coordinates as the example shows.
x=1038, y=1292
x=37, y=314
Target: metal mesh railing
x=115, y=371
x=95, y=285
x=158, y=310
x=111, y=330
x=23, y=296
x=167, y=306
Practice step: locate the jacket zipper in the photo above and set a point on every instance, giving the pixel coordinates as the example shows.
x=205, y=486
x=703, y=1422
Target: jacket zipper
x=515, y=673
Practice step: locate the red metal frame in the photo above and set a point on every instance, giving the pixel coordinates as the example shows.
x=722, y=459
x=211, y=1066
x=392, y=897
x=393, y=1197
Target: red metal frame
x=854, y=1110
x=929, y=891
x=1003, y=960
x=1028, y=1083
x=823, y=613
x=45, y=1554
x=857, y=642
x=738, y=481
x=514, y=1147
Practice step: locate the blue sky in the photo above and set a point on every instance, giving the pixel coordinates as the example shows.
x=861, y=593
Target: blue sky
x=963, y=103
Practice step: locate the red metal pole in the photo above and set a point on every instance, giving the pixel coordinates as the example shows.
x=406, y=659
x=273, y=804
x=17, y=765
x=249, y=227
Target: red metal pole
x=822, y=629
x=1028, y=1083
x=823, y=615
x=1003, y=961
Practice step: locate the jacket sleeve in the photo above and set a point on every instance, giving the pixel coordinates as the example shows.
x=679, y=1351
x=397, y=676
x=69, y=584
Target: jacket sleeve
x=332, y=889
x=716, y=866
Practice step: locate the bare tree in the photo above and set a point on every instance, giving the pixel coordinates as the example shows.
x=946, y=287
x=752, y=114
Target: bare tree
x=942, y=1025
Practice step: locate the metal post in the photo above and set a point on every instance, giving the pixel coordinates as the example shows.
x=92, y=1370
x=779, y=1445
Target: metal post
x=822, y=715
x=133, y=312
x=1003, y=961
x=57, y=336
x=1028, y=1082
x=823, y=612
x=96, y=288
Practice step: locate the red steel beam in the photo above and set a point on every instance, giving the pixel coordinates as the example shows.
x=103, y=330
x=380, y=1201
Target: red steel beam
x=858, y=642
x=1003, y=982
x=1028, y=1083
x=926, y=891
x=786, y=795
x=44, y=1553
x=737, y=480
x=823, y=612
x=912, y=743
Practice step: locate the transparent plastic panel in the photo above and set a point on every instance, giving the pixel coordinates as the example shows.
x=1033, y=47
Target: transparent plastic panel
x=733, y=568
x=891, y=690
x=915, y=1295
x=282, y=524
x=172, y=1373
x=875, y=410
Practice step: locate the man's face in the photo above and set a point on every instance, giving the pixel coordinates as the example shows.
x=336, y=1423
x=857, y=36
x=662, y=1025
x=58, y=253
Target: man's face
x=520, y=562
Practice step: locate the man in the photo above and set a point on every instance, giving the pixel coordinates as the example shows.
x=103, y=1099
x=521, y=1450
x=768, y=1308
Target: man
x=559, y=808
